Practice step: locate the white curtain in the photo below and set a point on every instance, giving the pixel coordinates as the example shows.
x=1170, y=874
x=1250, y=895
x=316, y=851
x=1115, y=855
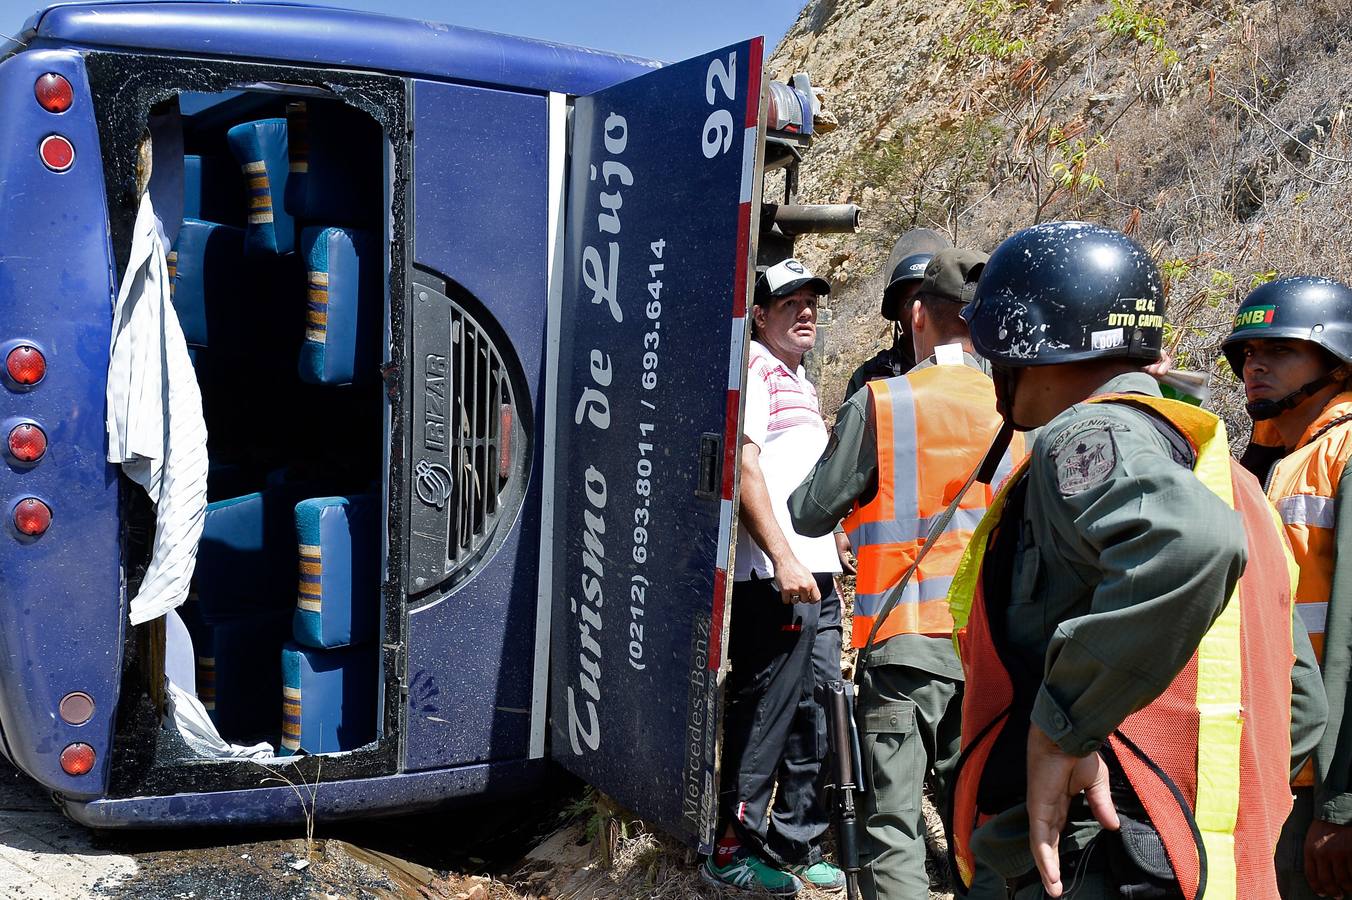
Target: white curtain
x=155, y=425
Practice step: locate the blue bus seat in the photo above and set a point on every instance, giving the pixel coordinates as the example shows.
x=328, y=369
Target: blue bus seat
x=213, y=189
x=337, y=164
x=260, y=149
x=207, y=275
x=237, y=671
x=232, y=574
x=246, y=558
x=329, y=698
x=344, y=269
x=338, y=594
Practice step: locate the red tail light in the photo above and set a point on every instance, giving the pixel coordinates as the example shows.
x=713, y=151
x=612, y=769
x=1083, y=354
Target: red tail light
x=58, y=154
x=77, y=759
x=27, y=443
x=32, y=517
x=54, y=93
x=505, y=441
x=26, y=365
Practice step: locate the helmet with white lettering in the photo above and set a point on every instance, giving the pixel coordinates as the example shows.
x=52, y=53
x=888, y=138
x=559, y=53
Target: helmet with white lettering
x=908, y=271
x=1067, y=291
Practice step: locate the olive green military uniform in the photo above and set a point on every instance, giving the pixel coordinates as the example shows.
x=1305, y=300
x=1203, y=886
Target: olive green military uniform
x=910, y=694
x=1116, y=563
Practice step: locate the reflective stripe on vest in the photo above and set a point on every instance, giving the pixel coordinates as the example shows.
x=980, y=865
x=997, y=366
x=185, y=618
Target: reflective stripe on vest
x=1303, y=487
x=933, y=426
x=1236, y=661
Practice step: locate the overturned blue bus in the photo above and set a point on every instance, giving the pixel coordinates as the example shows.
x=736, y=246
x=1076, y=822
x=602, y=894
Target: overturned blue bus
x=466, y=316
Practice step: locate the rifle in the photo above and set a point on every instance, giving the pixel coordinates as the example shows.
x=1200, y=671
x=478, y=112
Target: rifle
x=847, y=764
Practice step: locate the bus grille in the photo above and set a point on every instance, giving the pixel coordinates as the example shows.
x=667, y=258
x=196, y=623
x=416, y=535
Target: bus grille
x=483, y=398
x=469, y=440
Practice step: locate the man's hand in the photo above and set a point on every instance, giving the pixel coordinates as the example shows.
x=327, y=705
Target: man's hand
x=843, y=551
x=1161, y=367
x=1054, y=779
x=796, y=584
x=1328, y=859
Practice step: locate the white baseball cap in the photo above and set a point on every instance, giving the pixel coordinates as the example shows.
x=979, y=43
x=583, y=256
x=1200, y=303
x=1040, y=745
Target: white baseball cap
x=785, y=277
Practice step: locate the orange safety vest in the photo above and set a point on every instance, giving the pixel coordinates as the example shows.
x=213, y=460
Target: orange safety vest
x=1303, y=486
x=933, y=428
x=1219, y=734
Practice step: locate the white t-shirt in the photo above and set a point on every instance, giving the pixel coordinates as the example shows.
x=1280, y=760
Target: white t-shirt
x=782, y=419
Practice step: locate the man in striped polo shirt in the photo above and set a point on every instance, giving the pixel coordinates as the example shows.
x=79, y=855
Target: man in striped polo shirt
x=785, y=631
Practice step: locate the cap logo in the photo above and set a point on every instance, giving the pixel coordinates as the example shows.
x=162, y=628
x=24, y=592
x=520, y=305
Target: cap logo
x=1255, y=317
x=794, y=265
x=918, y=266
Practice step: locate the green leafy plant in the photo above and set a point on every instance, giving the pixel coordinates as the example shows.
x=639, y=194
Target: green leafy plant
x=986, y=39
x=925, y=173
x=1175, y=270
x=1221, y=288
x=1261, y=278
x=1072, y=170
x=1131, y=20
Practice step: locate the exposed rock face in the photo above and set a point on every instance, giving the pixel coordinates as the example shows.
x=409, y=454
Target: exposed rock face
x=1215, y=133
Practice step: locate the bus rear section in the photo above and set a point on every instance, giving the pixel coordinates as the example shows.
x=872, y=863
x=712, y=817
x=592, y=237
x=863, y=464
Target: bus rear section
x=359, y=266
x=274, y=197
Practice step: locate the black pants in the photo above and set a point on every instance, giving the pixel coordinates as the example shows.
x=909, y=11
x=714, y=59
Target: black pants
x=774, y=730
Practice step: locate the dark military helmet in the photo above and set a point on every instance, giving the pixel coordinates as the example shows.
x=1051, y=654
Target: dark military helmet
x=906, y=266
x=1306, y=308
x=909, y=270
x=1067, y=291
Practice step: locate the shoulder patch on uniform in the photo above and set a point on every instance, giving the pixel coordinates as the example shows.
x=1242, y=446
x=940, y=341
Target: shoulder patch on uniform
x=1102, y=423
x=1084, y=460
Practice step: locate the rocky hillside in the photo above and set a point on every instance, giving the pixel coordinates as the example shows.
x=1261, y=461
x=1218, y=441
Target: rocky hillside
x=1212, y=130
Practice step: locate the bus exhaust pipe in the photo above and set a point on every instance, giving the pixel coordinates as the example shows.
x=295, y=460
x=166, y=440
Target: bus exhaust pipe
x=816, y=218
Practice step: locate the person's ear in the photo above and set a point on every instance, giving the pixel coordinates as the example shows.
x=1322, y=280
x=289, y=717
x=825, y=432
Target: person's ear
x=919, y=319
x=758, y=315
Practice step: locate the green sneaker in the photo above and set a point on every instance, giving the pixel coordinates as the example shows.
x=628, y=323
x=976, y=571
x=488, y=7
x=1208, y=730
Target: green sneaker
x=823, y=876
x=751, y=873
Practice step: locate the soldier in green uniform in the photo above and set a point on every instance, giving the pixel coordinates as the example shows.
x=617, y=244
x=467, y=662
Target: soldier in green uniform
x=940, y=418
x=1086, y=593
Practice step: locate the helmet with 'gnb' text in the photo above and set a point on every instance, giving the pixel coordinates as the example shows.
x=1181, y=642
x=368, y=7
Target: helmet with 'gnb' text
x=1304, y=308
x=1063, y=292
